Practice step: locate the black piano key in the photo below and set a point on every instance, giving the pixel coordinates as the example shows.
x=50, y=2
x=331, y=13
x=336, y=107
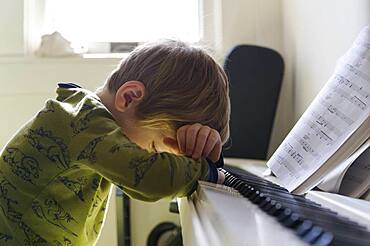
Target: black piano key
x=264, y=202
x=324, y=240
x=253, y=195
x=265, y=189
x=238, y=184
x=347, y=239
x=289, y=200
x=264, y=183
x=250, y=177
x=269, y=205
x=340, y=229
x=276, y=210
x=322, y=218
x=244, y=191
x=303, y=228
x=293, y=221
x=288, y=196
x=315, y=224
x=309, y=210
x=284, y=215
x=312, y=234
x=259, y=198
x=326, y=214
x=249, y=191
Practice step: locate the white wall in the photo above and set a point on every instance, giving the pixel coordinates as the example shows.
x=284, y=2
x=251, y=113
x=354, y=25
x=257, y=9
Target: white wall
x=316, y=33
x=251, y=22
x=11, y=27
x=27, y=82
x=256, y=22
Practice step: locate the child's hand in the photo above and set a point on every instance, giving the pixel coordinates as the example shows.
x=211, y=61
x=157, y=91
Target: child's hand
x=198, y=141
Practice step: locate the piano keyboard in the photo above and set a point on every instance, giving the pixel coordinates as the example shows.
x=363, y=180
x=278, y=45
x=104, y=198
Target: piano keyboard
x=311, y=222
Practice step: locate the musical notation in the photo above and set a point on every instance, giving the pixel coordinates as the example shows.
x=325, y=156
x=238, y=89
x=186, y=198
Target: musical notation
x=358, y=72
x=293, y=153
x=343, y=81
x=319, y=132
x=334, y=110
x=355, y=100
x=319, y=119
x=305, y=145
x=341, y=107
x=285, y=164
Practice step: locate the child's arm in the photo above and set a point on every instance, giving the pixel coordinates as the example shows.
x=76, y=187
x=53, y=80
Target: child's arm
x=198, y=141
x=143, y=175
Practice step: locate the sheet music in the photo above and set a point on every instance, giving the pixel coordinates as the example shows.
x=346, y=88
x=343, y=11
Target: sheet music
x=333, y=180
x=356, y=181
x=366, y=196
x=336, y=112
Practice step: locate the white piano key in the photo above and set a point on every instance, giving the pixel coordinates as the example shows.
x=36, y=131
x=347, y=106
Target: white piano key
x=226, y=218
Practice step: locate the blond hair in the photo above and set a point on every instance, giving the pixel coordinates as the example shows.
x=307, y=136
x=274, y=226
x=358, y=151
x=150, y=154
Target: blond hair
x=184, y=85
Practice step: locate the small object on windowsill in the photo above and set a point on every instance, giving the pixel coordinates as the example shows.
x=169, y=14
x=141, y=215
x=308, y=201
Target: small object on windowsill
x=55, y=45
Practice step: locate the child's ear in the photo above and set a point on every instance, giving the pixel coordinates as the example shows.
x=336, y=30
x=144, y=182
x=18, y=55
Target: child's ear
x=129, y=95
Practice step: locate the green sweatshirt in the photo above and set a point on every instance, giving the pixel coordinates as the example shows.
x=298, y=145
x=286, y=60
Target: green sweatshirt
x=57, y=171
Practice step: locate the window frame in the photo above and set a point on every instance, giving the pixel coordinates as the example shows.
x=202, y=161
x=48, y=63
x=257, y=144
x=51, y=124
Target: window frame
x=34, y=18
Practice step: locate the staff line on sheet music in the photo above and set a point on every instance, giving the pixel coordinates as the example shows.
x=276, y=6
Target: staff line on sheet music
x=293, y=153
x=324, y=123
x=283, y=162
x=337, y=112
x=358, y=72
x=344, y=81
x=352, y=99
x=319, y=132
x=305, y=145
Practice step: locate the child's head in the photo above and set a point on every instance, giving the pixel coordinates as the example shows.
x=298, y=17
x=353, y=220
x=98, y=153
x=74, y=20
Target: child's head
x=183, y=85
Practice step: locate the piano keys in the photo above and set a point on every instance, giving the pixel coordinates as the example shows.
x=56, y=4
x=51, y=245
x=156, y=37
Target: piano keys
x=251, y=210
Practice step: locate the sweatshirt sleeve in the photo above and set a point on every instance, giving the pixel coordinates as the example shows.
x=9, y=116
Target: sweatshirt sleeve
x=143, y=175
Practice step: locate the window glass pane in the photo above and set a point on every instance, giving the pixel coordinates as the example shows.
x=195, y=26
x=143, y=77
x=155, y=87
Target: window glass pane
x=84, y=21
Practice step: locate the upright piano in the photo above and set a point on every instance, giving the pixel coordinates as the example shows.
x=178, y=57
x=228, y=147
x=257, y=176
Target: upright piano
x=252, y=209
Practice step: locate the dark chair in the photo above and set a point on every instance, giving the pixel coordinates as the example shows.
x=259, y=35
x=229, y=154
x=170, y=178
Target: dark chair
x=255, y=75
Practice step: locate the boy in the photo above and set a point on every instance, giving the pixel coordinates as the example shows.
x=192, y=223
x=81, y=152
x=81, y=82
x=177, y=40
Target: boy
x=56, y=172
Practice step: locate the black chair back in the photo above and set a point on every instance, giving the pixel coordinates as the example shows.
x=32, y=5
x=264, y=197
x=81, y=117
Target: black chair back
x=255, y=75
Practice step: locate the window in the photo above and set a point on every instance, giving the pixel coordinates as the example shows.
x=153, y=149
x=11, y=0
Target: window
x=113, y=25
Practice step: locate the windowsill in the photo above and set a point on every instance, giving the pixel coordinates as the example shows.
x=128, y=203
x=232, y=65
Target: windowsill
x=85, y=58
x=105, y=55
